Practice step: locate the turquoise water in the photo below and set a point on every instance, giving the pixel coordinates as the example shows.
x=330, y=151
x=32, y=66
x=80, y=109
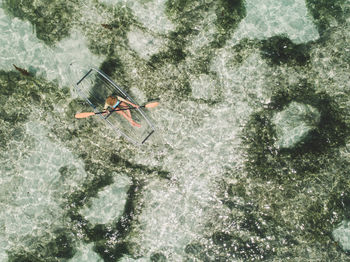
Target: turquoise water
x=250, y=161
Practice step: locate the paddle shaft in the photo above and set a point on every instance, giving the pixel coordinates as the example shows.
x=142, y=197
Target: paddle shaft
x=87, y=114
x=119, y=109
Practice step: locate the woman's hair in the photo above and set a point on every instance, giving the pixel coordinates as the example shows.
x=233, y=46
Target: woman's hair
x=111, y=100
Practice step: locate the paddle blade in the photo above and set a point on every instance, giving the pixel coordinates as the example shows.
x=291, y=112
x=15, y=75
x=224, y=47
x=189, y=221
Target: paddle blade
x=84, y=115
x=151, y=105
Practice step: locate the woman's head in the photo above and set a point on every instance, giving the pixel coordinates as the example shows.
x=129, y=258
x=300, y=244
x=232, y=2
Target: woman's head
x=111, y=100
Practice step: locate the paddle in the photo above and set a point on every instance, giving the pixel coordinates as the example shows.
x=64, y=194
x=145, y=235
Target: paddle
x=87, y=114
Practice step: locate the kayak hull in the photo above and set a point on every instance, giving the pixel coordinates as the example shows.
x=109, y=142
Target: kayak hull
x=94, y=87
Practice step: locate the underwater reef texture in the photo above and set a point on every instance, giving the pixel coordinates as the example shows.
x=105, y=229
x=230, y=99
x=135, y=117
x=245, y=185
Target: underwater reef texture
x=51, y=20
x=39, y=96
x=280, y=203
x=327, y=14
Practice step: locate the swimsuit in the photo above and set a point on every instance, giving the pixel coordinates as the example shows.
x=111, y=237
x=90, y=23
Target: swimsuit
x=114, y=107
x=116, y=104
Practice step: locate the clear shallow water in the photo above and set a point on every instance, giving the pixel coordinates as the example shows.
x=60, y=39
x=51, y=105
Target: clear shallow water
x=269, y=18
x=212, y=185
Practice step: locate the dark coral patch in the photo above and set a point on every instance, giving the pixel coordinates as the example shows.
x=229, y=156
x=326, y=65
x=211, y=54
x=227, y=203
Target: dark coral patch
x=325, y=12
x=310, y=155
x=158, y=257
x=229, y=14
x=60, y=247
x=118, y=231
x=52, y=19
x=113, y=65
x=187, y=15
x=23, y=257
x=281, y=50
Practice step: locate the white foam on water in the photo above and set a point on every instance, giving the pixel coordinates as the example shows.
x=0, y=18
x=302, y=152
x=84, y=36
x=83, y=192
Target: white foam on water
x=85, y=253
x=20, y=46
x=30, y=206
x=143, y=43
x=267, y=18
x=109, y=204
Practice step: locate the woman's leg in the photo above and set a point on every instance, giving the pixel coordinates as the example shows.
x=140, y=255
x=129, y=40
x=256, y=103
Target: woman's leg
x=132, y=122
x=124, y=106
x=127, y=115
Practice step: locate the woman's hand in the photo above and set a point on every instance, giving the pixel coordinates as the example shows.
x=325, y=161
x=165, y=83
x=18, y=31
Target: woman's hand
x=106, y=113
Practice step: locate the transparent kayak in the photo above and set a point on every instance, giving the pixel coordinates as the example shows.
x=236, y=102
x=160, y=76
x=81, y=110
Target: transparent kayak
x=95, y=86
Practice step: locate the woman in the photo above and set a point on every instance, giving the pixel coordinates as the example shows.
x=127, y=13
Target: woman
x=118, y=102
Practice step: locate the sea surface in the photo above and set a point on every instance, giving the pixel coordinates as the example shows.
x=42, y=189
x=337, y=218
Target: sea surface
x=251, y=157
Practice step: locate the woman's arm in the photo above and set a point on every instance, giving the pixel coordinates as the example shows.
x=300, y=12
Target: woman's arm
x=126, y=101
